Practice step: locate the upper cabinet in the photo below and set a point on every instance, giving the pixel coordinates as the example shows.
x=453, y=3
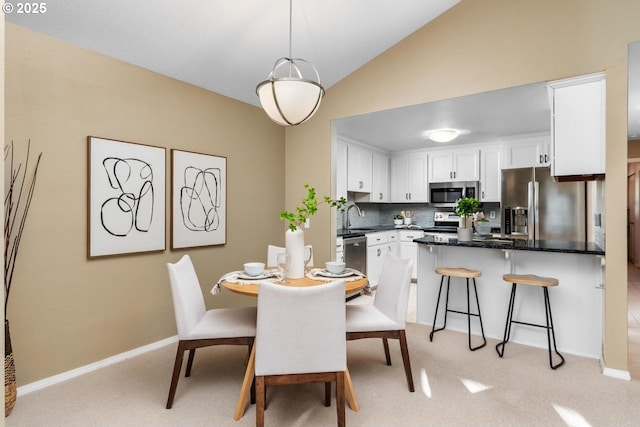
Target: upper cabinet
x=341, y=170
x=490, y=173
x=460, y=164
x=359, y=164
x=578, y=125
x=379, y=180
x=409, y=178
x=527, y=151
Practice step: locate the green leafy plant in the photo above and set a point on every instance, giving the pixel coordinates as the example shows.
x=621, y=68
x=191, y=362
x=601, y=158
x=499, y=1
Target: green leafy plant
x=308, y=207
x=466, y=207
x=397, y=216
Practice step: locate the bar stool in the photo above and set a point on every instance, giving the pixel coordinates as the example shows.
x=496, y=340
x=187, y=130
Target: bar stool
x=467, y=274
x=531, y=280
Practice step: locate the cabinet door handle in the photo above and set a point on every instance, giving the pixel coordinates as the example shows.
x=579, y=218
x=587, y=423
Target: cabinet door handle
x=546, y=158
x=379, y=252
x=483, y=194
x=409, y=196
x=360, y=184
x=541, y=158
x=454, y=174
x=380, y=196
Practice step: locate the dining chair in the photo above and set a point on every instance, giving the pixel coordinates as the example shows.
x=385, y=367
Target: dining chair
x=300, y=338
x=199, y=327
x=386, y=317
x=273, y=251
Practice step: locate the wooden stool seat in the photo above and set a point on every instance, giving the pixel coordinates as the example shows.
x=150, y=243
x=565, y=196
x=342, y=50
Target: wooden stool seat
x=544, y=283
x=530, y=279
x=466, y=274
x=458, y=272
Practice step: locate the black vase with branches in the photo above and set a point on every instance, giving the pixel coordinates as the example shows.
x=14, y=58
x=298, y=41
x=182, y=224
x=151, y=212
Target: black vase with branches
x=17, y=200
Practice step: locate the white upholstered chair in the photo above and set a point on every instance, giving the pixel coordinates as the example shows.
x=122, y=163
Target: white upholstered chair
x=273, y=251
x=386, y=317
x=199, y=327
x=300, y=338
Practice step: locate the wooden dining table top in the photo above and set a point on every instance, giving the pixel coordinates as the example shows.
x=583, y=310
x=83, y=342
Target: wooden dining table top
x=251, y=289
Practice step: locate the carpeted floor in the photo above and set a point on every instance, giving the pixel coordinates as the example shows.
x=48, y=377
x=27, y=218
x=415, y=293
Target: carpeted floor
x=454, y=387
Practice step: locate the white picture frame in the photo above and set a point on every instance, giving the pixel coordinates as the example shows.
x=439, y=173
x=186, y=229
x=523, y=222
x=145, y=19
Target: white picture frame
x=126, y=197
x=198, y=199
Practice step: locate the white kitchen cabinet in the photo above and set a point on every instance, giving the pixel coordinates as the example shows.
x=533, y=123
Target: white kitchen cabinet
x=359, y=164
x=409, y=178
x=578, y=125
x=341, y=170
x=461, y=164
x=377, y=249
x=527, y=151
x=409, y=249
x=379, y=180
x=490, y=173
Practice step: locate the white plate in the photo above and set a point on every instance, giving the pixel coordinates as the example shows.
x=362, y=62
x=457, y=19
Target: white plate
x=244, y=276
x=326, y=273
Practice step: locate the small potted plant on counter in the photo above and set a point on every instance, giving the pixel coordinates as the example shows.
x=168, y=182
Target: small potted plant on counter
x=465, y=208
x=397, y=219
x=481, y=224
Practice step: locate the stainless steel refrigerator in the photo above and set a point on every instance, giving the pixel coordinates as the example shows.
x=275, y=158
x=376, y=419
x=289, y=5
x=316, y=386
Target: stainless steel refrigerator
x=536, y=207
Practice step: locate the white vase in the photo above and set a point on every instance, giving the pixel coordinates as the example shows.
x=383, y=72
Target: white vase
x=294, y=243
x=465, y=234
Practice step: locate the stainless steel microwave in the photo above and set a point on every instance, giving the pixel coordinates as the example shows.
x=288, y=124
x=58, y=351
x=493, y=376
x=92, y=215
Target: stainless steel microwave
x=445, y=194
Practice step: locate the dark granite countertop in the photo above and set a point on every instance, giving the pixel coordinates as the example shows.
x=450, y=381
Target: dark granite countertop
x=518, y=244
x=361, y=231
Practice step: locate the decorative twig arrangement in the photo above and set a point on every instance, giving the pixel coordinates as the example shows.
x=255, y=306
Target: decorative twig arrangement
x=16, y=208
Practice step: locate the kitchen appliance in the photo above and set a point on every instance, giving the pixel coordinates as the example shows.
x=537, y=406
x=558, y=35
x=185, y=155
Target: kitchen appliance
x=536, y=207
x=445, y=225
x=355, y=256
x=445, y=194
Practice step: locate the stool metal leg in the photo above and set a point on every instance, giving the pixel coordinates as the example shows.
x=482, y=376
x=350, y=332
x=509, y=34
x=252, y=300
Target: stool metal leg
x=446, y=306
x=507, y=327
x=550, y=331
x=475, y=289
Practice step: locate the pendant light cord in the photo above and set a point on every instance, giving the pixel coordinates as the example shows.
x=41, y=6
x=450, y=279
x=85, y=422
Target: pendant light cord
x=290, y=26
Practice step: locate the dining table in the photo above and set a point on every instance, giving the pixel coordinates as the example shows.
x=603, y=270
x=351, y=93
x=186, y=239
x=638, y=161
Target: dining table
x=238, y=283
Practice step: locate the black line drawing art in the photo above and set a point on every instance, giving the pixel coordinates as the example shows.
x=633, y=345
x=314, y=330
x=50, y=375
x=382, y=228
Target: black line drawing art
x=133, y=207
x=200, y=199
x=126, y=198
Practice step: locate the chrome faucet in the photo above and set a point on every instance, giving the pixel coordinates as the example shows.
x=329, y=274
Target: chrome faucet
x=346, y=224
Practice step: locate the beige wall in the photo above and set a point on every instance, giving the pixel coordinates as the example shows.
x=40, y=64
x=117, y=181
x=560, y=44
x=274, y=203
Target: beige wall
x=67, y=311
x=484, y=45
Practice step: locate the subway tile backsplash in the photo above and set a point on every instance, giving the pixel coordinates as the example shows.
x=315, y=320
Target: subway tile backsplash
x=382, y=214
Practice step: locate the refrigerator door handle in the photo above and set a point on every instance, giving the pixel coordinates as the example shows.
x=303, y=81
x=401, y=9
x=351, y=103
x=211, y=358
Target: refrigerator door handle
x=531, y=205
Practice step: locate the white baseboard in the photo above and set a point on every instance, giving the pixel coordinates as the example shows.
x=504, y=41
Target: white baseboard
x=615, y=373
x=28, y=388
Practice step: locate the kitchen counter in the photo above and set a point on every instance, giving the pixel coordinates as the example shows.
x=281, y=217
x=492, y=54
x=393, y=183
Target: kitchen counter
x=361, y=231
x=517, y=244
x=577, y=301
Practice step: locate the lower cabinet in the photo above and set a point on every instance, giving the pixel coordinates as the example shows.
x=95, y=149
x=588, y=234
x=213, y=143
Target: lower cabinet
x=378, y=246
x=409, y=249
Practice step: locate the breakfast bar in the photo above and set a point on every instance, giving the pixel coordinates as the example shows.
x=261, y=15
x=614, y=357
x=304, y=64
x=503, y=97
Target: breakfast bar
x=577, y=302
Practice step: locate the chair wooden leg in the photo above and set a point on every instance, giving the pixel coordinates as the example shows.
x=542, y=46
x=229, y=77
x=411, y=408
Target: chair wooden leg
x=192, y=353
x=387, y=355
x=340, y=398
x=260, y=400
x=404, y=349
x=327, y=394
x=176, y=374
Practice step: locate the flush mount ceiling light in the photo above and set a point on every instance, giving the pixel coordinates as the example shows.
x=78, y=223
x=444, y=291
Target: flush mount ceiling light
x=291, y=97
x=442, y=135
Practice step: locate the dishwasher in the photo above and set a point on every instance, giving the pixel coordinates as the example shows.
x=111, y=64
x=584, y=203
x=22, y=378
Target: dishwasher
x=355, y=256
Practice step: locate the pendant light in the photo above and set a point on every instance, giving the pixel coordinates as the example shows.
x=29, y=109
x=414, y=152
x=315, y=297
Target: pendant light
x=289, y=96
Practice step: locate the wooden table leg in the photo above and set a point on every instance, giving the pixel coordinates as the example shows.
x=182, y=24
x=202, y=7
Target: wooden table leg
x=246, y=384
x=350, y=392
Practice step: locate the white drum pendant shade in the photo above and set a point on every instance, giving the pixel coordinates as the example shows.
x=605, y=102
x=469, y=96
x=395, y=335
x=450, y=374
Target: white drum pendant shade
x=289, y=101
